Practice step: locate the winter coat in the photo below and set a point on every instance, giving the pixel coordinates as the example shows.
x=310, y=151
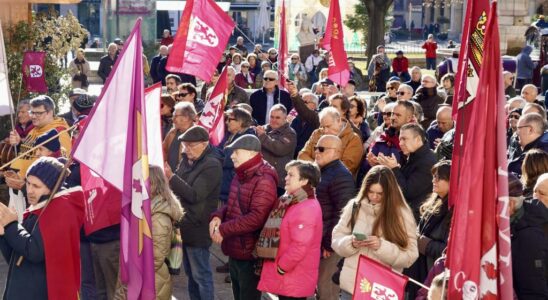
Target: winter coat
x=524, y=63
x=258, y=102
x=305, y=123
x=433, y=133
x=400, y=65
x=163, y=217
x=172, y=149
x=530, y=251
x=415, y=177
x=517, y=155
x=252, y=197
x=351, y=145
x=154, y=68
x=105, y=66
x=236, y=95
x=197, y=186
x=79, y=71
x=335, y=189
x=278, y=147
x=242, y=81
x=389, y=254
x=430, y=48
x=298, y=253
x=429, y=100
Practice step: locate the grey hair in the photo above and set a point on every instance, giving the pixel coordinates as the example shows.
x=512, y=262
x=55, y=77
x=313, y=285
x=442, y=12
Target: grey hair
x=279, y=107
x=312, y=96
x=186, y=109
x=330, y=111
x=406, y=87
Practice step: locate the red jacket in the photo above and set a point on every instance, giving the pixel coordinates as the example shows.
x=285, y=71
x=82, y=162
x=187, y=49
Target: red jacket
x=241, y=225
x=241, y=81
x=400, y=64
x=430, y=49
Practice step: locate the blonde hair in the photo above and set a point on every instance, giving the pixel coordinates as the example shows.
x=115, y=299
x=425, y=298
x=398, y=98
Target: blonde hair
x=159, y=186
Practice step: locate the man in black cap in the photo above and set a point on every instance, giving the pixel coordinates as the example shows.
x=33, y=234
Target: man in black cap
x=69, y=116
x=197, y=184
x=236, y=225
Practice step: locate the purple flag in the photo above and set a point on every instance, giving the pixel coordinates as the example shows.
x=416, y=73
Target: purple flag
x=114, y=145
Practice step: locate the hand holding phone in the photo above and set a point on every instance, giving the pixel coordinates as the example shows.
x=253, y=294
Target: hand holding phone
x=359, y=236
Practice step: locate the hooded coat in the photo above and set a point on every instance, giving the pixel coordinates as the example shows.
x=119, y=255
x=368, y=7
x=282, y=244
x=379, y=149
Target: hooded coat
x=525, y=65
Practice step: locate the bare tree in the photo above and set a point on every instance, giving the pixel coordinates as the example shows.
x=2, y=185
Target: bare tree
x=377, y=10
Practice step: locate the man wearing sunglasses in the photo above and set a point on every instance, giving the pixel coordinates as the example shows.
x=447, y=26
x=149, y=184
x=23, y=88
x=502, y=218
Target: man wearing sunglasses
x=262, y=100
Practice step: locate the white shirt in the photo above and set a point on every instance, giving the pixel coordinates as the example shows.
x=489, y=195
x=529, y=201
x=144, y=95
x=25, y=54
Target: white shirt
x=269, y=104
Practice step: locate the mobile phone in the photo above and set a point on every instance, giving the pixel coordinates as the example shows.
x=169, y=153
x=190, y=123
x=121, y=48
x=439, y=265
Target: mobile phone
x=10, y=173
x=359, y=236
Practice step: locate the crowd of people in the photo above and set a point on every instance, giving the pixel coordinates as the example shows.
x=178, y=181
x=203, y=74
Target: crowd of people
x=306, y=180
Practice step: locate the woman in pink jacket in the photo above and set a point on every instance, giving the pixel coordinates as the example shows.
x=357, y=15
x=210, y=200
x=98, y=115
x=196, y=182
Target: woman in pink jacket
x=290, y=241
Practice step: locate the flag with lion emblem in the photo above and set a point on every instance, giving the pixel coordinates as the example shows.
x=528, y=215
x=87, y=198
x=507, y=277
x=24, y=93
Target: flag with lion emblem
x=377, y=282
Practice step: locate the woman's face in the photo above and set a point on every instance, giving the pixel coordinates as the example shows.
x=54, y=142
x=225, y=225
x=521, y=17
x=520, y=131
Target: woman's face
x=375, y=193
x=447, y=84
x=386, y=117
x=293, y=182
x=353, y=108
x=251, y=60
x=234, y=126
x=237, y=59
x=80, y=55
x=513, y=120
x=440, y=186
x=391, y=91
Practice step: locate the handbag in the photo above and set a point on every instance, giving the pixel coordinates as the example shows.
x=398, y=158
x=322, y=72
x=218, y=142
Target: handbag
x=175, y=258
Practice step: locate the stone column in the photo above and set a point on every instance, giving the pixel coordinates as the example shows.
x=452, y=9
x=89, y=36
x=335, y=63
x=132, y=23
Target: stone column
x=456, y=21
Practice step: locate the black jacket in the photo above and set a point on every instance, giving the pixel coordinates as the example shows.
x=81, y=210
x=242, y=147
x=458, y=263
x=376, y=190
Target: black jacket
x=258, y=103
x=197, y=186
x=429, y=100
x=105, y=66
x=529, y=251
x=415, y=177
x=517, y=155
x=305, y=123
x=162, y=73
x=154, y=68
x=335, y=189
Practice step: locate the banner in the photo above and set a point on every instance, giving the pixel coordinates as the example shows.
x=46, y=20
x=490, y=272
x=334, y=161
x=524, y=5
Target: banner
x=375, y=281
x=6, y=103
x=333, y=41
x=34, y=72
x=282, y=50
x=213, y=117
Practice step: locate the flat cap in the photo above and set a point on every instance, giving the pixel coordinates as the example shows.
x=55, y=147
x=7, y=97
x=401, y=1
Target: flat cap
x=246, y=142
x=195, y=134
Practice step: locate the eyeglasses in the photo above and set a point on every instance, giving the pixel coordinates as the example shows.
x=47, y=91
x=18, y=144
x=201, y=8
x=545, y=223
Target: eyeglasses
x=519, y=127
x=175, y=116
x=37, y=113
x=269, y=79
x=400, y=93
x=294, y=59
x=321, y=149
x=245, y=67
x=230, y=119
x=514, y=117
x=182, y=94
x=390, y=88
x=387, y=114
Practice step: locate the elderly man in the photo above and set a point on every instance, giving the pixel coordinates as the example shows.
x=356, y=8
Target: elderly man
x=24, y=123
x=262, y=100
x=444, y=122
x=155, y=62
x=237, y=225
x=43, y=250
x=240, y=45
x=530, y=132
x=332, y=123
x=184, y=117
x=414, y=170
x=336, y=187
x=307, y=119
x=278, y=142
x=70, y=116
x=236, y=94
x=509, y=89
x=427, y=96
x=107, y=62
x=197, y=184
x=529, y=92
x=416, y=76
x=405, y=92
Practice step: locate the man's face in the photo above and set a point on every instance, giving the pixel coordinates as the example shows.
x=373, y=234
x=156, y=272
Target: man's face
x=171, y=85
x=112, y=50
x=23, y=114
x=166, y=33
x=529, y=94
x=241, y=156
x=270, y=81
x=404, y=94
x=40, y=116
x=416, y=75
x=428, y=82
x=43, y=152
x=277, y=119
x=445, y=122
x=325, y=152
x=337, y=103
x=230, y=76
x=240, y=41
x=409, y=142
x=35, y=189
x=163, y=51
x=524, y=132
x=325, y=88
x=181, y=122
x=330, y=125
x=349, y=90
x=541, y=192
x=194, y=150
x=309, y=103
x=508, y=79
x=380, y=51
x=400, y=117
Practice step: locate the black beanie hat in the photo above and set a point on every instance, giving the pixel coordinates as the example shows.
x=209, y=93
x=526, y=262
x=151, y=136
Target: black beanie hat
x=47, y=169
x=52, y=145
x=84, y=103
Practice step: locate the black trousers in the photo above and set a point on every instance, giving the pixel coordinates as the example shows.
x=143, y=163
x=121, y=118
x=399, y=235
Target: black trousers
x=244, y=280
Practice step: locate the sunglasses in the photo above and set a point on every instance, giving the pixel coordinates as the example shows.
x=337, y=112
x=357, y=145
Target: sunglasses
x=182, y=94
x=514, y=117
x=390, y=88
x=387, y=114
x=321, y=149
x=230, y=119
x=245, y=67
x=269, y=79
x=400, y=93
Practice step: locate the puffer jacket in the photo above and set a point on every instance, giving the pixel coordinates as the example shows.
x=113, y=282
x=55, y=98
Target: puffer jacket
x=255, y=190
x=429, y=99
x=389, y=254
x=298, y=254
x=278, y=147
x=163, y=216
x=335, y=189
x=351, y=144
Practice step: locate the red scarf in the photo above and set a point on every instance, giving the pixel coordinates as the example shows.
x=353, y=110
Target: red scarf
x=241, y=171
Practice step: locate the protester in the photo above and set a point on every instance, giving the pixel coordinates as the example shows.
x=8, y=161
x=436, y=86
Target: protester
x=172, y=81
x=70, y=116
x=254, y=64
x=443, y=123
x=530, y=130
x=434, y=224
x=427, y=96
x=167, y=108
x=296, y=71
x=430, y=46
x=197, y=184
x=513, y=118
x=236, y=62
x=541, y=189
x=307, y=119
x=79, y=70
x=405, y=92
x=317, y=87
x=416, y=76
x=235, y=93
x=259, y=79
x=529, y=92
x=291, y=272
x=534, y=164
x=525, y=67
x=245, y=79
x=107, y=62
x=400, y=66
x=509, y=89
x=262, y=100
x=184, y=117
x=439, y=287
x=379, y=130
x=240, y=46
x=335, y=189
x=385, y=224
x=188, y=93
x=379, y=70
x=155, y=62
x=349, y=89
x=391, y=95
x=43, y=251
x=357, y=115
x=236, y=224
x=167, y=39
x=24, y=123
x=311, y=65
x=446, y=90
x=278, y=142
x=356, y=76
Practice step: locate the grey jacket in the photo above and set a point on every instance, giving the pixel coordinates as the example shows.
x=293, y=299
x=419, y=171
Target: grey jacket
x=278, y=148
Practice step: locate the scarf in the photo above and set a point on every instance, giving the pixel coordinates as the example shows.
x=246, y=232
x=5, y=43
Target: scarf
x=269, y=238
x=390, y=137
x=242, y=169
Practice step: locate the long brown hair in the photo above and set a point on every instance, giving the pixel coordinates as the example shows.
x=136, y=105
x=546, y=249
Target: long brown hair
x=432, y=205
x=534, y=164
x=159, y=187
x=389, y=223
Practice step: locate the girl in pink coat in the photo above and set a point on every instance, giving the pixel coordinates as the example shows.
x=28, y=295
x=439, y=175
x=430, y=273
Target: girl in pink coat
x=290, y=241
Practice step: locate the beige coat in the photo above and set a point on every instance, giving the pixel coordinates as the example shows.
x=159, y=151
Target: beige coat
x=351, y=143
x=388, y=254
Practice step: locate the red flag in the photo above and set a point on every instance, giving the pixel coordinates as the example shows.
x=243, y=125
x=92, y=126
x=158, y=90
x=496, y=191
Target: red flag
x=34, y=71
x=200, y=40
x=479, y=253
x=376, y=281
x=282, y=48
x=213, y=118
x=467, y=80
x=333, y=41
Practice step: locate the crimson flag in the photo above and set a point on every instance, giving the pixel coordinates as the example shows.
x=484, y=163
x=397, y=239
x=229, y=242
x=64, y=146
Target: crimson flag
x=376, y=281
x=333, y=41
x=34, y=72
x=282, y=48
x=201, y=39
x=479, y=252
x=212, y=117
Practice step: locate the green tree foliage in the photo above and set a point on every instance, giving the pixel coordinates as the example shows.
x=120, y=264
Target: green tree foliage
x=359, y=21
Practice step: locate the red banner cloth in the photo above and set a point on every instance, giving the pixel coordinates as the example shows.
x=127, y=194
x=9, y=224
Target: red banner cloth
x=333, y=41
x=213, y=118
x=376, y=281
x=34, y=71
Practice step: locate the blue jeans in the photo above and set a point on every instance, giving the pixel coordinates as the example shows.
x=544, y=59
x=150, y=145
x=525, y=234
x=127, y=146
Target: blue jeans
x=430, y=63
x=345, y=296
x=87, y=285
x=198, y=271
